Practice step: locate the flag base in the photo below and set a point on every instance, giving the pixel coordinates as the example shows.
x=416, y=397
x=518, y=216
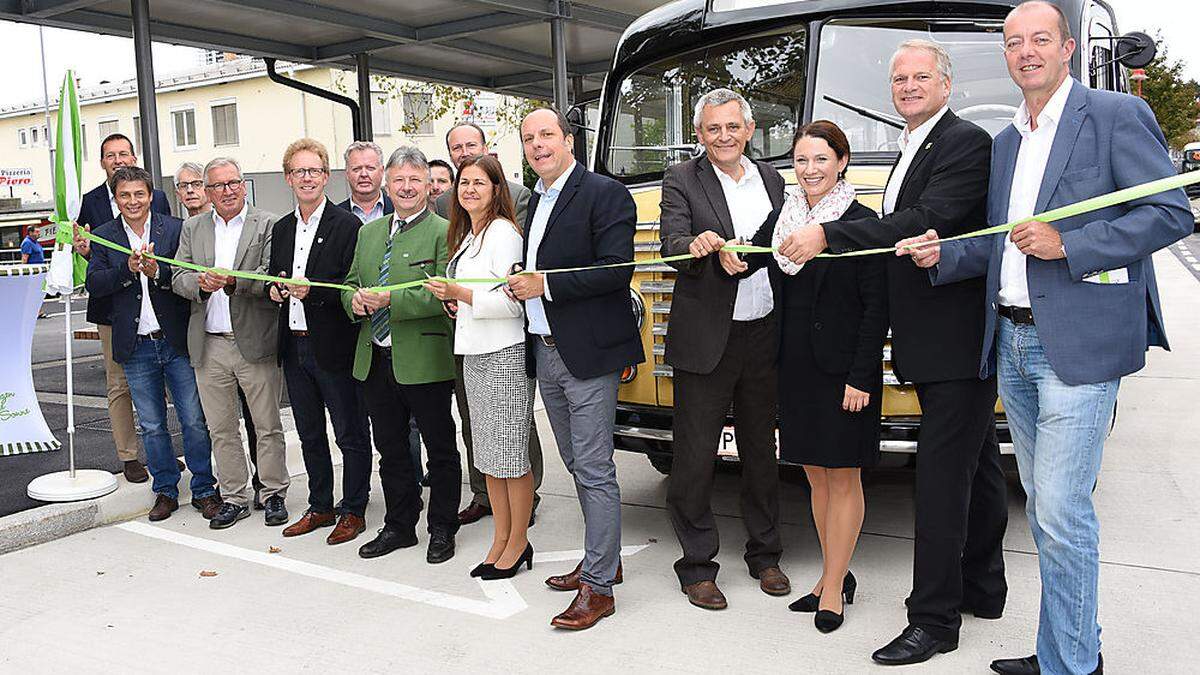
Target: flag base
x=60, y=487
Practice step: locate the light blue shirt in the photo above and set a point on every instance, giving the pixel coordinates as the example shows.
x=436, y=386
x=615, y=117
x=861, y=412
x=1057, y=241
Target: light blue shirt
x=534, y=307
x=375, y=213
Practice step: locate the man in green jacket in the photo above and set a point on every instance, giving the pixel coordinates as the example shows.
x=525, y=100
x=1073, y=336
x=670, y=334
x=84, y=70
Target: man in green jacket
x=405, y=358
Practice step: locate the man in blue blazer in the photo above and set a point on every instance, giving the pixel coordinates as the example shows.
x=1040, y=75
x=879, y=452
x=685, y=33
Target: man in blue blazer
x=99, y=207
x=1073, y=305
x=149, y=339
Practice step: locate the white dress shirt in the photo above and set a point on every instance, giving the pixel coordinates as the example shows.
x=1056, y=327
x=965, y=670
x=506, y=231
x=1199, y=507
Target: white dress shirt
x=306, y=233
x=112, y=204
x=534, y=307
x=1026, y=183
x=491, y=321
x=749, y=205
x=397, y=222
x=147, y=319
x=375, y=213
x=226, y=236
x=910, y=143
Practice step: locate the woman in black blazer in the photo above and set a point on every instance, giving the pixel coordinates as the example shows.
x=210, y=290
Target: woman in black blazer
x=833, y=321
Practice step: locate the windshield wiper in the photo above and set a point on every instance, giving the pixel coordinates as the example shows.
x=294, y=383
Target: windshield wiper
x=890, y=120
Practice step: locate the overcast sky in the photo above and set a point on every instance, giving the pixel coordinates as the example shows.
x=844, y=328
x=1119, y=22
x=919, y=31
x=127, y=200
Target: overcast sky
x=96, y=57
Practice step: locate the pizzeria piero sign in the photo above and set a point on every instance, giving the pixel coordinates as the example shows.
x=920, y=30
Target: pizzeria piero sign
x=18, y=176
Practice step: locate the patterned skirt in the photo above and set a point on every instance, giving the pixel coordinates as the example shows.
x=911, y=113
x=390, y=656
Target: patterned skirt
x=500, y=399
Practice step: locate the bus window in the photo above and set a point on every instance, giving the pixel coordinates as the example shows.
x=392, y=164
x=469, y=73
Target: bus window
x=1101, y=67
x=852, y=67
x=653, y=125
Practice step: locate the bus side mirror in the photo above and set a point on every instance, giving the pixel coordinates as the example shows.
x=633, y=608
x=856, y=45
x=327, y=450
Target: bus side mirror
x=1135, y=50
x=577, y=116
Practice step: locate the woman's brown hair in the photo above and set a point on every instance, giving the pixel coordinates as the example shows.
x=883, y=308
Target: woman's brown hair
x=828, y=132
x=500, y=207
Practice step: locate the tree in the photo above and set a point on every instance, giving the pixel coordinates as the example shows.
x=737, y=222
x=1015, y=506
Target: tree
x=1173, y=100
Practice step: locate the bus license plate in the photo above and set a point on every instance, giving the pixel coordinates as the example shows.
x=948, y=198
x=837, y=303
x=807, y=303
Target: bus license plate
x=727, y=446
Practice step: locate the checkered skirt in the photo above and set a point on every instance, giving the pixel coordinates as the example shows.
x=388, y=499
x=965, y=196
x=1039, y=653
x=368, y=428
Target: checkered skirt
x=500, y=398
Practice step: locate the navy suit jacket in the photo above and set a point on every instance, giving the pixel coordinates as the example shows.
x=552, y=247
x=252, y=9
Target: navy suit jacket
x=591, y=315
x=387, y=204
x=96, y=211
x=109, y=278
x=1091, y=332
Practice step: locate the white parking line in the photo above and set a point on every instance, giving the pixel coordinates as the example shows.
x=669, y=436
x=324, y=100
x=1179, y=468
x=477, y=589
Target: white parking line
x=503, y=600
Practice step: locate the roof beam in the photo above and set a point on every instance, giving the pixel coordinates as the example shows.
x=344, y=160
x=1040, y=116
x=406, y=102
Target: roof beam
x=44, y=8
x=113, y=24
x=371, y=26
x=390, y=67
x=473, y=25
x=575, y=11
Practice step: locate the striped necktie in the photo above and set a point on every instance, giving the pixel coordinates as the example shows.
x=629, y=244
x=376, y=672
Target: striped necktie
x=381, y=327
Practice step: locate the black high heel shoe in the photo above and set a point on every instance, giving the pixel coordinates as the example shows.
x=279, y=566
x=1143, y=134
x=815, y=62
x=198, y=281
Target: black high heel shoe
x=827, y=620
x=510, y=572
x=812, y=602
x=482, y=568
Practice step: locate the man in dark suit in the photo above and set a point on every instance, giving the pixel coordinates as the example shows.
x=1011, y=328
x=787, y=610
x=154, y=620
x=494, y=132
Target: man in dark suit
x=721, y=343
x=580, y=335
x=316, y=345
x=464, y=141
x=940, y=182
x=1073, y=306
x=149, y=340
x=99, y=207
x=364, y=174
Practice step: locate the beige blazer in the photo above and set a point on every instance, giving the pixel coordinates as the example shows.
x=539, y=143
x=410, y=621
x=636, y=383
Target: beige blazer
x=254, y=317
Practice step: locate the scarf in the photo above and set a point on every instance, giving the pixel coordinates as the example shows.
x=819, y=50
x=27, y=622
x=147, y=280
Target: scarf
x=797, y=214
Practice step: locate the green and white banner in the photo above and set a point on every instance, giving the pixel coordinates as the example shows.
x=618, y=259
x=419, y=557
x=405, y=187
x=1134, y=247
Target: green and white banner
x=67, y=268
x=22, y=427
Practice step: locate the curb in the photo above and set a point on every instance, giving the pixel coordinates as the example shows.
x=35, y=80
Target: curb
x=54, y=521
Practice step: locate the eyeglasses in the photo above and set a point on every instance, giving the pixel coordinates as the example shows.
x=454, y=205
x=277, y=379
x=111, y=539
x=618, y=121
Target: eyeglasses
x=305, y=172
x=190, y=185
x=230, y=185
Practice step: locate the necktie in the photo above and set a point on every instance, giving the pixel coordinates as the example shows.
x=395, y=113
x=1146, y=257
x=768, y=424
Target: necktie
x=381, y=319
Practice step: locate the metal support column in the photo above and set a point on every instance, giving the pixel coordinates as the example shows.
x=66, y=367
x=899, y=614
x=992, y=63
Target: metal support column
x=576, y=89
x=362, y=65
x=558, y=45
x=147, y=106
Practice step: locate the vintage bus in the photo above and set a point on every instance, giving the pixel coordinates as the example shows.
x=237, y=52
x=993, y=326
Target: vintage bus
x=795, y=61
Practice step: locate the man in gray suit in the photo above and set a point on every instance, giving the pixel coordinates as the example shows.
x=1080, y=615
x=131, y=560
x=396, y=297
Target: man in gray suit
x=464, y=141
x=232, y=340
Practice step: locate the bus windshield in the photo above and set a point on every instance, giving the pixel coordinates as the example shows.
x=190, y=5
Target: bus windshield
x=652, y=128
x=852, y=72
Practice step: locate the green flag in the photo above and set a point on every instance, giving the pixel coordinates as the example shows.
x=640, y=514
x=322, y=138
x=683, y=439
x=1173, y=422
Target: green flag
x=68, y=193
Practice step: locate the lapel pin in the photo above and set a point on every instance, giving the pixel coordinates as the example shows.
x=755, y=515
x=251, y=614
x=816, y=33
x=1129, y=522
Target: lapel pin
x=319, y=240
x=929, y=145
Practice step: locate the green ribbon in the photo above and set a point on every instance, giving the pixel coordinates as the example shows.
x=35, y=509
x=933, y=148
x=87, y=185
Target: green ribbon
x=1069, y=211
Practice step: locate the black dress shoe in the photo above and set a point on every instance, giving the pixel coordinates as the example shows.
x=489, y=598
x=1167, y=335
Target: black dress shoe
x=1029, y=666
x=386, y=542
x=227, y=515
x=483, y=568
x=827, y=620
x=275, y=510
x=812, y=602
x=913, y=645
x=497, y=572
x=441, y=547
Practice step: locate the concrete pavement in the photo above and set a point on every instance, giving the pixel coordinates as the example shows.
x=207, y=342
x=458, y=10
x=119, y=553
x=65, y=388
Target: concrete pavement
x=130, y=598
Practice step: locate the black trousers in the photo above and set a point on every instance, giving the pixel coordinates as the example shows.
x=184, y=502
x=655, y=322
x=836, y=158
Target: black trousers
x=961, y=507
x=745, y=377
x=313, y=390
x=390, y=405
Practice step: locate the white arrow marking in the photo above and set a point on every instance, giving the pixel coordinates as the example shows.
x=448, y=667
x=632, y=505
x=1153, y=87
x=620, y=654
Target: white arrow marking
x=503, y=599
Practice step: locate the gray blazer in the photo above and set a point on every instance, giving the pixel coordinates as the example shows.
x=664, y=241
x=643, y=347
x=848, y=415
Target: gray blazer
x=254, y=317
x=519, y=193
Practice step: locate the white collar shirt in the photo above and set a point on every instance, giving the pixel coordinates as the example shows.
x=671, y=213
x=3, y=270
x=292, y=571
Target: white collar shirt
x=306, y=233
x=749, y=205
x=1026, y=183
x=225, y=242
x=910, y=142
x=375, y=213
x=147, y=321
x=535, y=308
x=112, y=204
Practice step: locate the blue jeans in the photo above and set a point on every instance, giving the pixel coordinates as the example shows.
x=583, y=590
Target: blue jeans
x=153, y=364
x=1058, y=431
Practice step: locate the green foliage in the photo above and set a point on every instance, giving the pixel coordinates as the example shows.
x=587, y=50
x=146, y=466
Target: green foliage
x=1173, y=99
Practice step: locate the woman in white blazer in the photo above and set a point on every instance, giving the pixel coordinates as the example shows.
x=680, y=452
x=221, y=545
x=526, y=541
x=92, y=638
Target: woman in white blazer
x=489, y=333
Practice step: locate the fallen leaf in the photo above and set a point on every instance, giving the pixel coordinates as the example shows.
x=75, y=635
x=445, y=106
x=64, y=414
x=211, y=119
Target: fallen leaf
x=274, y=549
x=207, y=573
x=98, y=573
x=652, y=540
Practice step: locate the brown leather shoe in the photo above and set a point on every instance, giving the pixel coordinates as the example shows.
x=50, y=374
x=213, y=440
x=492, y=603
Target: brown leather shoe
x=473, y=513
x=163, y=507
x=308, y=522
x=570, y=582
x=586, y=610
x=773, y=581
x=135, y=472
x=348, y=527
x=208, y=506
x=705, y=595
